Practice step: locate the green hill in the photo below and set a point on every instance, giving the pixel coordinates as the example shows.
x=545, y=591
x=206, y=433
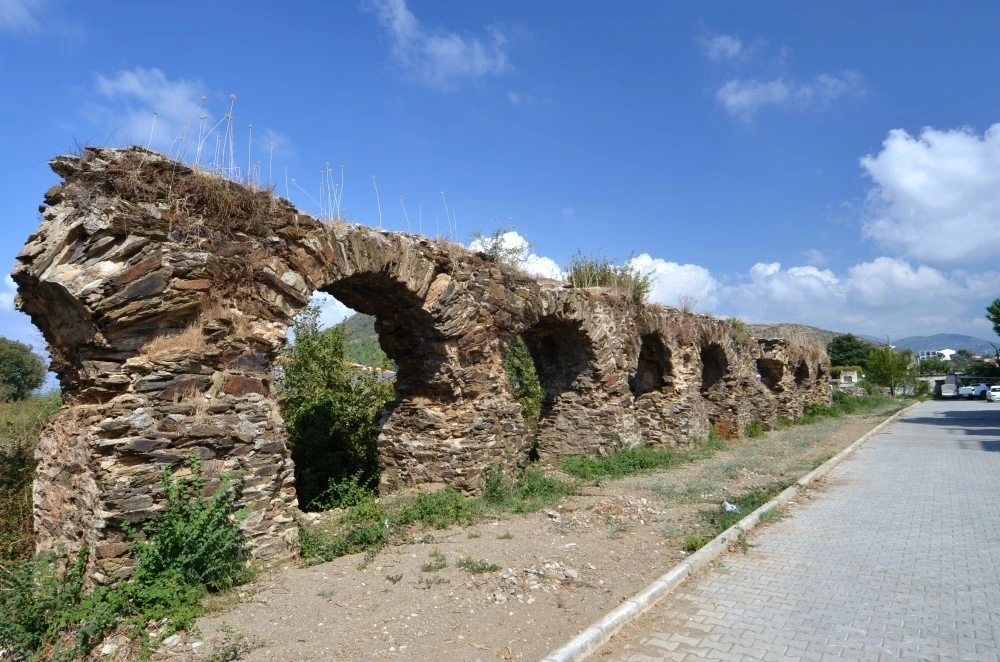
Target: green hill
x=361, y=342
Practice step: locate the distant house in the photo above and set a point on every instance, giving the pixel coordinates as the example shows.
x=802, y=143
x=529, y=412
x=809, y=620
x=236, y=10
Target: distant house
x=943, y=354
x=844, y=376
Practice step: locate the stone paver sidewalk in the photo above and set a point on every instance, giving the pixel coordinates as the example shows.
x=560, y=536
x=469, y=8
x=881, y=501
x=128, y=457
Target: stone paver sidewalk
x=897, y=557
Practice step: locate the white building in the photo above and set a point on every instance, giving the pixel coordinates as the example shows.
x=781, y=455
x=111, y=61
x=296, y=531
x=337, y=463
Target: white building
x=944, y=354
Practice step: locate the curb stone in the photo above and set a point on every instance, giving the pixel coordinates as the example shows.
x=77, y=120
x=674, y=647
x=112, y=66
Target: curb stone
x=587, y=642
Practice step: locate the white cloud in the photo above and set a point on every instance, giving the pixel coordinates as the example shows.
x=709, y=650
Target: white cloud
x=536, y=265
x=8, y=293
x=815, y=257
x=671, y=281
x=440, y=58
x=130, y=97
x=722, y=47
x=21, y=15
x=885, y=296
x=743, y=98
x=937, y=195
x=331, y=311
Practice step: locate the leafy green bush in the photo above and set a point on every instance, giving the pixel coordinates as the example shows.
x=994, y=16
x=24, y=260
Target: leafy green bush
x=331, y=413
x=195, y=545
x=523, y=379
x=754, y=429
x=591, y=271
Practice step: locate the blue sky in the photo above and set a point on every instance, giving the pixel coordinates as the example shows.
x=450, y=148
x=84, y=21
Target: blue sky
x=834, y=164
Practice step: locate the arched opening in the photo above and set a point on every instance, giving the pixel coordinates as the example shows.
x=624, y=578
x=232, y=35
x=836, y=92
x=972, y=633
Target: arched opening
x=821, y=374
x=562, y=354
x=802, y=374
x=771, y=371
x=714, y=366
x=522, y=378
x=655, y=370
x=350, y=361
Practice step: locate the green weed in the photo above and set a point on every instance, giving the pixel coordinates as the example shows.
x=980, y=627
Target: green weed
x=476, y=566
x=438, y=562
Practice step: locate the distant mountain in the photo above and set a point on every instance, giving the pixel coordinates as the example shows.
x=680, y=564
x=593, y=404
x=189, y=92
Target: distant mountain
x=954, y=341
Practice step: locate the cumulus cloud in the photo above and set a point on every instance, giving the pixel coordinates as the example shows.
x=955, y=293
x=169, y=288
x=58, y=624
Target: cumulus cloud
x=20, y=15
x=331, y=311
x=671, y=281
x=536, y=265
x=885, y=295
x=722, y=47
x=127, y=100
x=440, y=58
x=8, y=293
x=937, y=195
x=743, y=98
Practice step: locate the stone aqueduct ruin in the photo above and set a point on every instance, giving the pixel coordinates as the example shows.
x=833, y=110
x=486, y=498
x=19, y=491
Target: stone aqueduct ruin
x=165, y=296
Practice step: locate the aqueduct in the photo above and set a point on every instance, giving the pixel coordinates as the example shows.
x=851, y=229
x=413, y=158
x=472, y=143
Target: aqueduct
x=165, y=295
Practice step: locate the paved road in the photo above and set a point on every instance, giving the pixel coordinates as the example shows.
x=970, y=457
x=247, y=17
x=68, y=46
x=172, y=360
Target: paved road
x=897, y=557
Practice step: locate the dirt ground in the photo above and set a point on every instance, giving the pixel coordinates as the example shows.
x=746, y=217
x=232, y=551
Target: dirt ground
x=558, y=570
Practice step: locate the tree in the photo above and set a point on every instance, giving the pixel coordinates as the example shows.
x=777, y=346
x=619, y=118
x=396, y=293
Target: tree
x=993, y=315
x=21, y=370
x=934, y=365
x=960, y=361
x=331, y=413
x=505, y=245
x=888, y=367
x=848, y=349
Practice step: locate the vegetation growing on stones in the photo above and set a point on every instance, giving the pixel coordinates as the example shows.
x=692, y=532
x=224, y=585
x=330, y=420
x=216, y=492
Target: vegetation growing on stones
x=593, y=271
x=195, y=546
x=522, y=376
x=22, y=371
x=331, y=412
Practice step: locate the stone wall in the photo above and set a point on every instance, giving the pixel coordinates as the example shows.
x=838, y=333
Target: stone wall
x=165, y=296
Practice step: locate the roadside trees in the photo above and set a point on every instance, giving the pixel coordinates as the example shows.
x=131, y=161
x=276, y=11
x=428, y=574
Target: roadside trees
x=888, y=367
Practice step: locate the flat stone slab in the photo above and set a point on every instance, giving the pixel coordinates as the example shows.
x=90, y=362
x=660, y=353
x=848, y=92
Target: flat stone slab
x=898, y=556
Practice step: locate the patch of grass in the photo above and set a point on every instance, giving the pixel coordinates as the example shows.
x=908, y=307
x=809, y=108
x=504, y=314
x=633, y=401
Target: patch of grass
x=507, y=535
x=696, y=542
x=742, y=543
x=371, y=524
x=473, y=535
x=394, y=579
x=641, y=459
x=819, y=461
x=719, y=519
x=438, y=562
x=476, y=566
x=754, y=429
x=771, y=516
x=428, y=582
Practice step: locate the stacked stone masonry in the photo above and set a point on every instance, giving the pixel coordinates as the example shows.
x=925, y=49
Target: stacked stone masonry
x=165, y=296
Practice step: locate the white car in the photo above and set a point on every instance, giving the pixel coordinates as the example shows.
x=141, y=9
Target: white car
x=993, y=395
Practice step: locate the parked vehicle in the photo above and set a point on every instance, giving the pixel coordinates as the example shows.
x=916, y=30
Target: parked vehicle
x=973, y=391
x=993, y=395
x=946, y=390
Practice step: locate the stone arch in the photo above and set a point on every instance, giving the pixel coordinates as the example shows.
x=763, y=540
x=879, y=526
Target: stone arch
x=802, y=374
x=714, y=365
x=134, y=247
x=771, y=372
x=563, y=355
x=654, y=370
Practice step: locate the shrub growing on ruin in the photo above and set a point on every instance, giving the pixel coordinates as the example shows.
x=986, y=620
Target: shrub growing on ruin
x=522, y=376
x=331, y=412
x=592, y=271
